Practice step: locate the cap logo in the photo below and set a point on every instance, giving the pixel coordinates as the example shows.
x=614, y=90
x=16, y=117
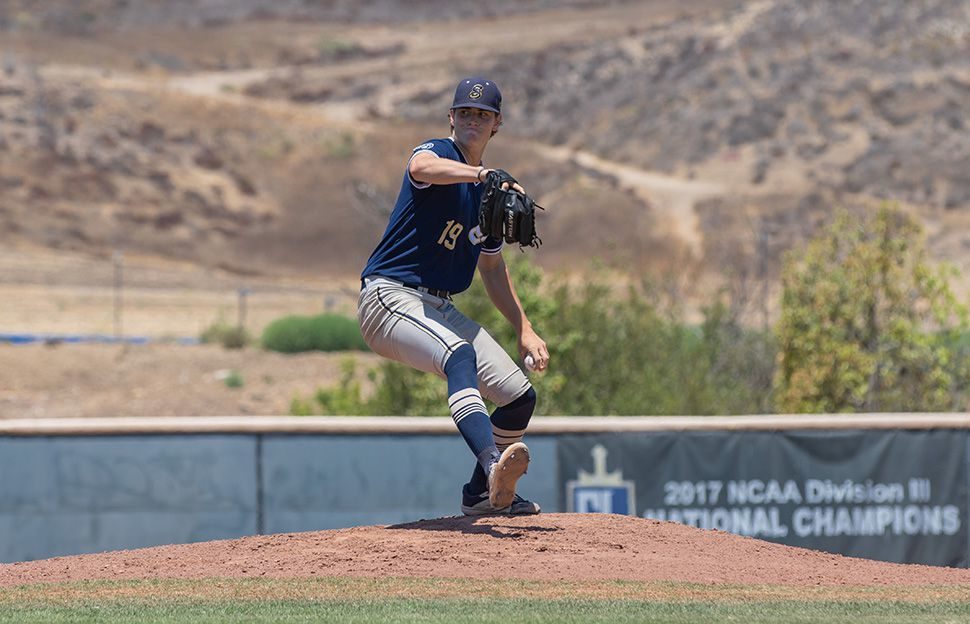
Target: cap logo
x=476, y=92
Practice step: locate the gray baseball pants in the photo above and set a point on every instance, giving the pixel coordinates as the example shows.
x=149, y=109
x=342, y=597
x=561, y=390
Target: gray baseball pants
x=422, y=331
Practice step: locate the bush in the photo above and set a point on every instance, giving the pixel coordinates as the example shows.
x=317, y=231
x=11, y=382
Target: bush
x=229, y=336
x=401, y=391
x=624, y=353
x=345, y=399
x=234, y=380
x=611, y=354
x=868, y=324
x=324, y=332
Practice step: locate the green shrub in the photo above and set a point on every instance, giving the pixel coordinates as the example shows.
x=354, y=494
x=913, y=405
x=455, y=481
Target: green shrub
x=234, y=380
x=404, y=391
x=401, y=391
x=610, y=354
x=229, y=336
x=624, y=353
x=345, y=398
x=868, y=323
x=300, y=407
x=324, y=332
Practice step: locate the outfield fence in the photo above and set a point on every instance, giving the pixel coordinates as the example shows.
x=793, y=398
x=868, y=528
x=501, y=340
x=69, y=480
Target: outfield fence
x=881, y=486
x=73, y=297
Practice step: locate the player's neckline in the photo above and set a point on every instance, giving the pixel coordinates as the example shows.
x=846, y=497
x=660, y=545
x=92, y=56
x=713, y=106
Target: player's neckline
x=463, y=155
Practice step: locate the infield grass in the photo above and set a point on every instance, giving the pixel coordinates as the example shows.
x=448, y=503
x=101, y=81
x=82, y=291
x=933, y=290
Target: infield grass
x=447, y=601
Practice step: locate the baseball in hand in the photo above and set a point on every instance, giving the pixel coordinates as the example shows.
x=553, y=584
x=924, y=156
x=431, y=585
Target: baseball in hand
x=530, y=363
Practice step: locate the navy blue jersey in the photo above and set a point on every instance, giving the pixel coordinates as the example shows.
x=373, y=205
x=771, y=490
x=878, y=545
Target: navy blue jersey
x=433, y=238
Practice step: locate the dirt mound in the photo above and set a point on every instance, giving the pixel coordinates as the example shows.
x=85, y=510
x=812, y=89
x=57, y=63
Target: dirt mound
x=549, y=547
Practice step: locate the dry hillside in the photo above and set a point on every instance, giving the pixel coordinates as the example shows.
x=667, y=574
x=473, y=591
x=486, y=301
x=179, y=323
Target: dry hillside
x=694, y=140
x=701, y=137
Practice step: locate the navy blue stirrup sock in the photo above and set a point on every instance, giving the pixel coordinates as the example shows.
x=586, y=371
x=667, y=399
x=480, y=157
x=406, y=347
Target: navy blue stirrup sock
x=509, y=423
x=467, y=407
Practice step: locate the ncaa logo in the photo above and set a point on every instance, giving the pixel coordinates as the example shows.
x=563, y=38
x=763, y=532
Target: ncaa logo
x=600, y=491
x=476, y=93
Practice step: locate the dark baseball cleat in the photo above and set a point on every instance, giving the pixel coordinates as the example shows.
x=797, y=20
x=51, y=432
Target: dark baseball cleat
x=505, y=473
x=478, y=505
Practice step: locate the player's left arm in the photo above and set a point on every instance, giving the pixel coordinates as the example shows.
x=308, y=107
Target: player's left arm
x=498, y=285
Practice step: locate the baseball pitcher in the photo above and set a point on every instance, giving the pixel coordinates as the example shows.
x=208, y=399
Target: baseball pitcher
x=452, y=214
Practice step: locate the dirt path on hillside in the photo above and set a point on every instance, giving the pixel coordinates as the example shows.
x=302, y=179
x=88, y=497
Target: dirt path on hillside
x=672, y=198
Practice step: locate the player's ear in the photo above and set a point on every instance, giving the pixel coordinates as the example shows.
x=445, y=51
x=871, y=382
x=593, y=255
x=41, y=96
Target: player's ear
x=498, y=122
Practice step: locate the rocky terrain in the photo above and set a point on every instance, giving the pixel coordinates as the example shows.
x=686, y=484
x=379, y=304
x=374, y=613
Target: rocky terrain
x=794, y=106
x=702, y=137
x=95, y=16
x=862, y=97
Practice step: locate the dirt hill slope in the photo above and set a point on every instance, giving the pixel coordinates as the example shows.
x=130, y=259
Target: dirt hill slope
x=703, y=138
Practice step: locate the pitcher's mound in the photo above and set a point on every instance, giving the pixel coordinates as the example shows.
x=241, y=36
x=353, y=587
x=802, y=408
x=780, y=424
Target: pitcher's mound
x=574, y=547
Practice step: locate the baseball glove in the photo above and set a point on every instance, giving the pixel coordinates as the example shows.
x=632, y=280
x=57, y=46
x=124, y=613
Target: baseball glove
x=506, y=213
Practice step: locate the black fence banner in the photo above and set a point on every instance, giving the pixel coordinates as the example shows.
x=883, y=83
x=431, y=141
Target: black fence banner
x=892, y=495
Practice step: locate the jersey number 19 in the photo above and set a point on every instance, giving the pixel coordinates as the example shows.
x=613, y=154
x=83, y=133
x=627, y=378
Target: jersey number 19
x=450, y=234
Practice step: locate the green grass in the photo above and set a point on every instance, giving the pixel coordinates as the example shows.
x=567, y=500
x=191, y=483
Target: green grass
x=461, y=600
x=489, y=610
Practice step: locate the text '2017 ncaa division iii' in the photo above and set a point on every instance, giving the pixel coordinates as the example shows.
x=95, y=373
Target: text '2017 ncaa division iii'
x=429, y=251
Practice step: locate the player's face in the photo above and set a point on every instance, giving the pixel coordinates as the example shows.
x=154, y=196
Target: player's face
x=474, y=125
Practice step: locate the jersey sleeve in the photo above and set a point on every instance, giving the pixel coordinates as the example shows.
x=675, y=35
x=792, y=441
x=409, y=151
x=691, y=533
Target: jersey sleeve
x=492, y=246
x=437, y=147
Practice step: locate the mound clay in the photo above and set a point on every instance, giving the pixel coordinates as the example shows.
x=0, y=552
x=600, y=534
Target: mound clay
x=548, y=547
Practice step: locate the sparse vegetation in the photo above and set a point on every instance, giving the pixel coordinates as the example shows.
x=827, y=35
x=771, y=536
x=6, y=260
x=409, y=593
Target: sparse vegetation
x=228, y=335
x=234, y=380
x=344, y=399
x=341, y=146
x=329, y=47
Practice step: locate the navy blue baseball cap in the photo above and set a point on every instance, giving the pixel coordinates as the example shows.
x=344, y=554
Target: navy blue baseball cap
x=478, y=92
